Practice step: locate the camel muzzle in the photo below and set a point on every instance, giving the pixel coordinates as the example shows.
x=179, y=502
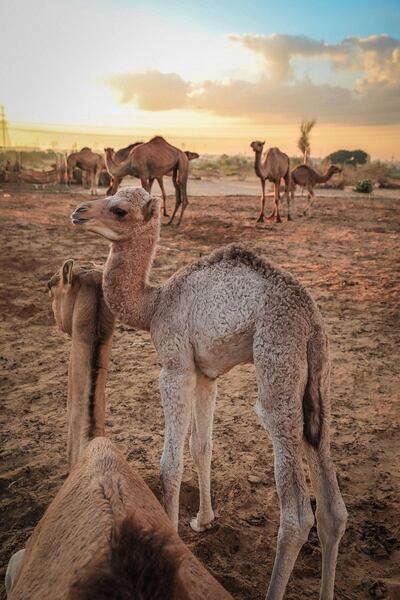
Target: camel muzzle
x=77, y=217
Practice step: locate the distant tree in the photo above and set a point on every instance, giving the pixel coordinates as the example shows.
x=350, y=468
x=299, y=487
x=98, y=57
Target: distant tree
x=303, y=143
x=348, y=157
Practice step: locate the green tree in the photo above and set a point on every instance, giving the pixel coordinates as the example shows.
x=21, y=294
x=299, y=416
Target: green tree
x=348, y=157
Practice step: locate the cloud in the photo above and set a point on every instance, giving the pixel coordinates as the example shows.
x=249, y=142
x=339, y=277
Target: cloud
x=373, y=99
x=151, y=90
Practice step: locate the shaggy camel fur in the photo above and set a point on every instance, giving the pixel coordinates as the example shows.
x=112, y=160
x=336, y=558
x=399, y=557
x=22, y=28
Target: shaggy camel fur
x=306, y=177
x=91, y=165
x=227, y=309
x=105, y=535
x=150, y=161
x=80, y=311
x=273, y=165
x=122, y=154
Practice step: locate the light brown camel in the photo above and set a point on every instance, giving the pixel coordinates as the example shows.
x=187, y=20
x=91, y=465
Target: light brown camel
x=273, y=165
x=80, y=311
x=306, y=177
x=150, y=161
x=91, y=164
x=228, y=309
x=122, y=154
x=105, y=535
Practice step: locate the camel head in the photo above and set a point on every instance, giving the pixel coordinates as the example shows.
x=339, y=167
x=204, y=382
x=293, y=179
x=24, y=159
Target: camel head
x=257, y=146
x=192, y=155
x=63, y=289
x=333, y=169
x=118, y=217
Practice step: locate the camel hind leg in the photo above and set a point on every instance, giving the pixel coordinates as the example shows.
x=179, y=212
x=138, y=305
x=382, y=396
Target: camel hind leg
x=275, y=216
x=178, y=196
x=281, y=378
x=201, y=447
x=331, y=512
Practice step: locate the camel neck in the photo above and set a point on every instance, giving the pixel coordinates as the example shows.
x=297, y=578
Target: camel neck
x=126, y=285
x=257, y=160
x=324, y=178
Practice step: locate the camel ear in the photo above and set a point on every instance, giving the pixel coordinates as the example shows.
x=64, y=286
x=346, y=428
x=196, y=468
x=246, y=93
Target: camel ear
x=150, y=208
x=66, y=272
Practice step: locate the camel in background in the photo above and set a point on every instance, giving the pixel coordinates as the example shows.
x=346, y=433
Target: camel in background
x=273, y=165
x=122, y=154
x=105, y=535
x=91, y=164
x=306, y=177
x=81, y=312
x=150, y=161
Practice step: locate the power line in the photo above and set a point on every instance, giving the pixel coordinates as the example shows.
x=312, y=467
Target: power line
x=5, y=136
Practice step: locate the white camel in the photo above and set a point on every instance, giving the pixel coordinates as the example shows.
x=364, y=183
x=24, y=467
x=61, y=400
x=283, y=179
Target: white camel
x=230, y=308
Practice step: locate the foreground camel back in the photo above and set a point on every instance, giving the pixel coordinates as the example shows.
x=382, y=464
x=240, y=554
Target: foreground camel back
x=106, y=532
x=80, y=311
x=272, y=165
x=150, y=161
x=229, y=308
x=306, y=177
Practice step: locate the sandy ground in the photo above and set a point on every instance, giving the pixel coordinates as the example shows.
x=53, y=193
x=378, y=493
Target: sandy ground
x=347, y=254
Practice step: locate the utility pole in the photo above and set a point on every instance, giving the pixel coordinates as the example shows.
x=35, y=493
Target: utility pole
x=5, y=137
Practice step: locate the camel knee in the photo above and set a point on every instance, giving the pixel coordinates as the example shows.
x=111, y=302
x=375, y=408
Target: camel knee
x=200, y=449
x=332, y=522
x=296, y=527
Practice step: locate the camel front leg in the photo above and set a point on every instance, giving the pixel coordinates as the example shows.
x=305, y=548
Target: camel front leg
x=261, y=217
x=201, y=447
x=310, y=199
x=275, y=216
x=177, y=391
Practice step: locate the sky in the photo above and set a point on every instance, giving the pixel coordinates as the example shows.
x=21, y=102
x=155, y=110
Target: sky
x=211, y=76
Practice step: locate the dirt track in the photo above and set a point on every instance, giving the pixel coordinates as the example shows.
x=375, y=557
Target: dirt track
x=347, y=254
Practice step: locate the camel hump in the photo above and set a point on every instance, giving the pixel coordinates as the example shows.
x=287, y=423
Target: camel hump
x=158, y=138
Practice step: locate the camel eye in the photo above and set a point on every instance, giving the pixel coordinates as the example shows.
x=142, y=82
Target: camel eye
x=119, y=212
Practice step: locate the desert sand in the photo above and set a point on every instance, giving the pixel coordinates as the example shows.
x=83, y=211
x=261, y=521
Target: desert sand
x=347, y=253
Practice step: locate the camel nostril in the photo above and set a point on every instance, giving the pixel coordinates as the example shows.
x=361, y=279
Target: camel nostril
x=82, y=208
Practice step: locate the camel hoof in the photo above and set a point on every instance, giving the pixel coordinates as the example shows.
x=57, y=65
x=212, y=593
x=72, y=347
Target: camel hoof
x=290, y=218
x=260, y=220
x=199, y=528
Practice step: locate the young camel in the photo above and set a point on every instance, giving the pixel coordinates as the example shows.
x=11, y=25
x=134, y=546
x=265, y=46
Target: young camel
x=273, y=165
x=306, y=177
x=122, y=154
x=91, y=165
x=150, y=161
x=227, y=309
x=105, y=535
x=80, y=311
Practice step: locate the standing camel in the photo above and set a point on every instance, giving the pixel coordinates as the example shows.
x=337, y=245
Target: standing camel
x=122, y=154
x=105, y=535
x=80, y=311
x=273, y=165
x=150, y=161
x=306, y=177
x=91, y=164
x=228, y=309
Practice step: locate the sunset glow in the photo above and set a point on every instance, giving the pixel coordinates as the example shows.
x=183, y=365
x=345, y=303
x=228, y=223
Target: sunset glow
x=107, y=72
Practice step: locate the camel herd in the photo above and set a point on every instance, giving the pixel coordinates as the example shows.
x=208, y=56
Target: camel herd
x=105, y=530
x=156, y=158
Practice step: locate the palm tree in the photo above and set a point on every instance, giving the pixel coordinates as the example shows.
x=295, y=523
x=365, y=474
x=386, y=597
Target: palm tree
x=304, y=140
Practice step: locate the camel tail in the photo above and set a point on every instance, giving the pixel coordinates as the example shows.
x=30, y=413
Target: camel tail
x=314, y=398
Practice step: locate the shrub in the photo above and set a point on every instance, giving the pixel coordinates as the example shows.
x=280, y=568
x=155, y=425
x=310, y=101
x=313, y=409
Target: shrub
x=364, y=186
